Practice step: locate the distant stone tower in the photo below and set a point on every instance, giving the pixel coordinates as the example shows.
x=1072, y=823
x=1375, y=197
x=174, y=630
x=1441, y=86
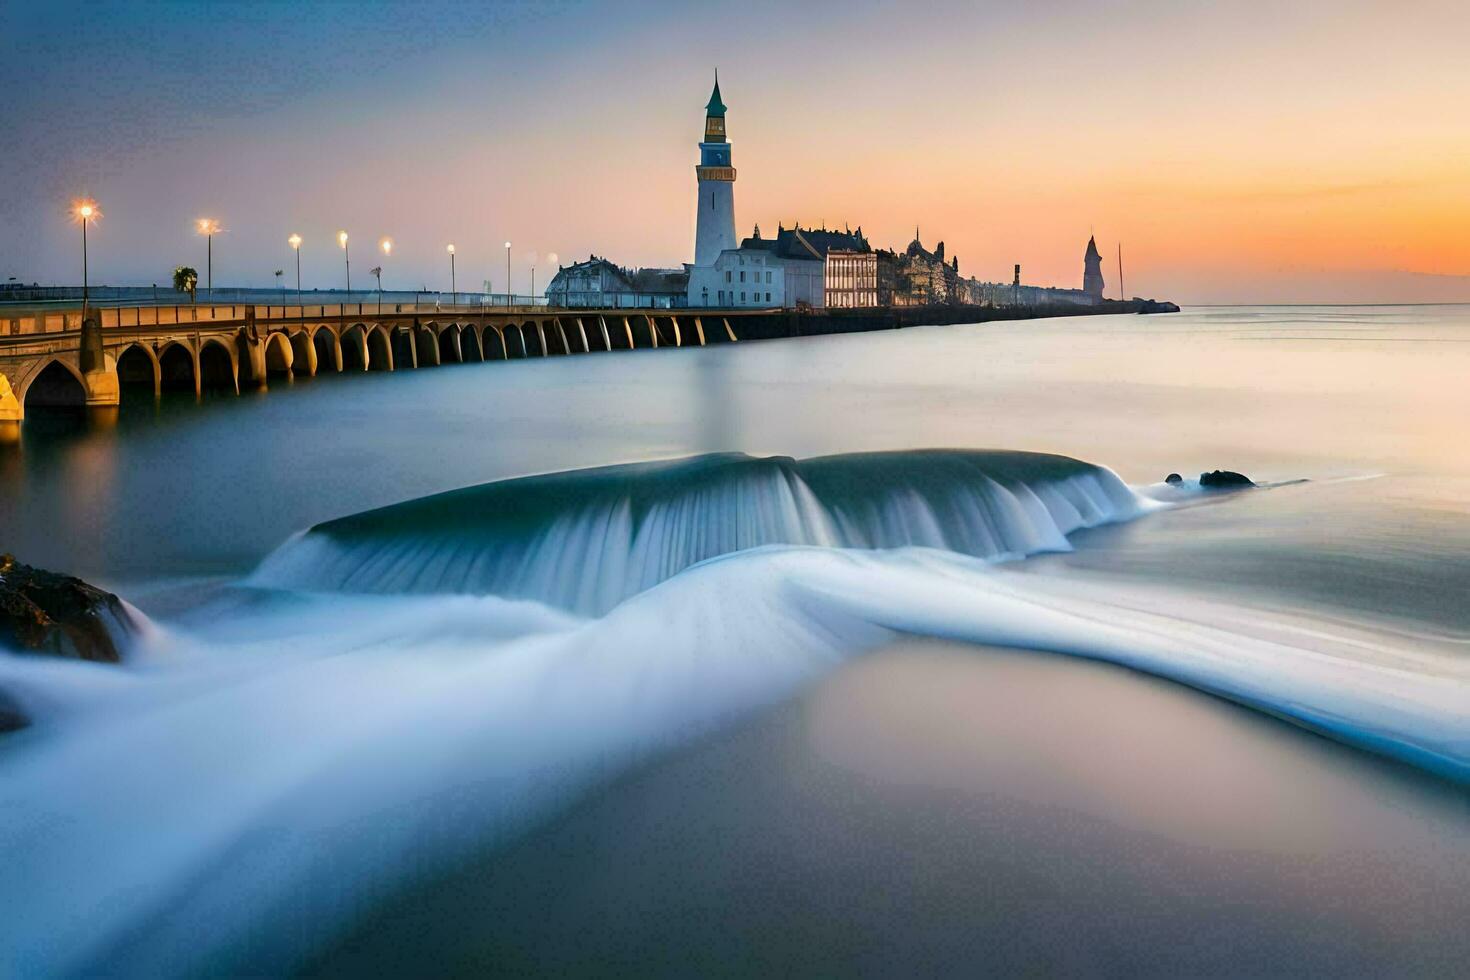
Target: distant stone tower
x=1092, y=277
x=714, y=228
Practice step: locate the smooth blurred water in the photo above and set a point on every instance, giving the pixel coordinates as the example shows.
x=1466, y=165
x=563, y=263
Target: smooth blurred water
x=1277, y=393
x=283, y=766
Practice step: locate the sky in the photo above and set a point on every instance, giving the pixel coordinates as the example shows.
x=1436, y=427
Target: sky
x=1240, y=152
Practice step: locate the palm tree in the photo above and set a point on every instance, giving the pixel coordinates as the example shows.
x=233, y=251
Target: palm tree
x=185, y=281
x=378, y=275
x=281, y=284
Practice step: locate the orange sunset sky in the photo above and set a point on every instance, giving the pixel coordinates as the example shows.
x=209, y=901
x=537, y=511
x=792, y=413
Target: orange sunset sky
x=1241, y=152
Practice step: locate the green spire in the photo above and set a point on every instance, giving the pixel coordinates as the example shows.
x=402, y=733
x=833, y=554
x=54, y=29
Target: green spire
x=715, y=107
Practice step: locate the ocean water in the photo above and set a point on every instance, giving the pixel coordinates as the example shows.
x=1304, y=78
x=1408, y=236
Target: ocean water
x=866, y=654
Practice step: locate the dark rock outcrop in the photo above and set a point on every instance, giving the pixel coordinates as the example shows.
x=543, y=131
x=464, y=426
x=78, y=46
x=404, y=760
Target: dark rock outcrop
x=1173, y=479
x=42, y=612
x=1225, y=480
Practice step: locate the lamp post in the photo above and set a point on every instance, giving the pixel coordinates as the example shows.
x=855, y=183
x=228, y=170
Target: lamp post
x=86, y=210
x=533, y=284
x=295, y=242
x=387, y=246
x=207, y=227
x=509, y=300
x=347, y=258
x=453, y=289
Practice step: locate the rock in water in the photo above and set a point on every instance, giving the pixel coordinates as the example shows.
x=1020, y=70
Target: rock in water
x=1225, y=480
x=42, y=612
x=1173, y=478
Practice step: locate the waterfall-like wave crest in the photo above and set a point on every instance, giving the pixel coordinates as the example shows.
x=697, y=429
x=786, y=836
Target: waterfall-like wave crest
x=588, y=539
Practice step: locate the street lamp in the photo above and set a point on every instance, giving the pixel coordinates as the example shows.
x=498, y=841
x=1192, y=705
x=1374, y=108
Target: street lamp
x=387, y=246
x=453, y=289
x=346, y=257
x=86, y=211
x=207, y=227
x=295, y=242
x=509, y=300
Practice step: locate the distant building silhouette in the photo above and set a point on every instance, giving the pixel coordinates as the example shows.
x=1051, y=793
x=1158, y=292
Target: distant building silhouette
x=1092, y=277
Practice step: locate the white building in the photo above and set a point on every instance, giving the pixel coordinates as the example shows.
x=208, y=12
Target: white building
x=787, y=271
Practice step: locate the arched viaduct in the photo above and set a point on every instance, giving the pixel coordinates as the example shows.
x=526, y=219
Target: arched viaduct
x=52, y=358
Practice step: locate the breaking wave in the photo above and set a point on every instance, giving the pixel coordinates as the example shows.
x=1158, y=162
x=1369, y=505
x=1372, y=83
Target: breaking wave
x=588, y=539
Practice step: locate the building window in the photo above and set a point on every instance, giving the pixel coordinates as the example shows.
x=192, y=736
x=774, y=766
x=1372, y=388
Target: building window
x=768, y=297
x=727, y=275
x=742, y=297
x=768, y=277
x=742, y=275
x=722, y=296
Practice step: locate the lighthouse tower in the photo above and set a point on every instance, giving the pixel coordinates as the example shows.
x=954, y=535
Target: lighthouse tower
x=714, y=228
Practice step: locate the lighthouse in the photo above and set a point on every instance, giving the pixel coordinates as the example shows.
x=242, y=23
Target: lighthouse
x=714, y=226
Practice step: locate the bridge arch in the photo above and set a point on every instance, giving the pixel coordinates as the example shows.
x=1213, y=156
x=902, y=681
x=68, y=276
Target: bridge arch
x=177, y=368
x=138, y=367
x=556, y=337
x=494, y=343
x=353, y=347
x=379, y=348
x=303, y=354
x=650, y=330
x=622, y=333
x=279, y=356
x=469, y=343
x=403, y=352
x=218, y=367
x=328, y=349
x=531, y=334
x=57, y=385
x=426, y=347
x=515, y=341
x=448, y=341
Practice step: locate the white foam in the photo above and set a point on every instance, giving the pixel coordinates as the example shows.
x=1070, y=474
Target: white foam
x=348, y=744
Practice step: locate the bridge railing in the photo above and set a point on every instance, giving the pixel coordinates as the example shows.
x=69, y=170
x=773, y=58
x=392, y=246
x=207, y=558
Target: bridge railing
x=20, y=321
x=152, y=316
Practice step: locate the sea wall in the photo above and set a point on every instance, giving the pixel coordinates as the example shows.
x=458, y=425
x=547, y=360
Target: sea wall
x=772, y=326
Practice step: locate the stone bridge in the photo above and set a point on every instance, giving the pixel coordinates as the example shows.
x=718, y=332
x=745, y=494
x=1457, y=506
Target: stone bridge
x=51, y=357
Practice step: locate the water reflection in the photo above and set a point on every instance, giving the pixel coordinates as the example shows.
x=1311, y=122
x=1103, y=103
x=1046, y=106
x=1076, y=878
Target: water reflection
x=1143, y=395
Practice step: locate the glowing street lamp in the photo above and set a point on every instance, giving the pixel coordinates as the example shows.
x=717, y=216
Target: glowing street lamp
x=509, y=300
x=346, y=257
x=86, y=211
x=387, y=249
x=207, y=227
x=295, y=242
x=453, y=289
